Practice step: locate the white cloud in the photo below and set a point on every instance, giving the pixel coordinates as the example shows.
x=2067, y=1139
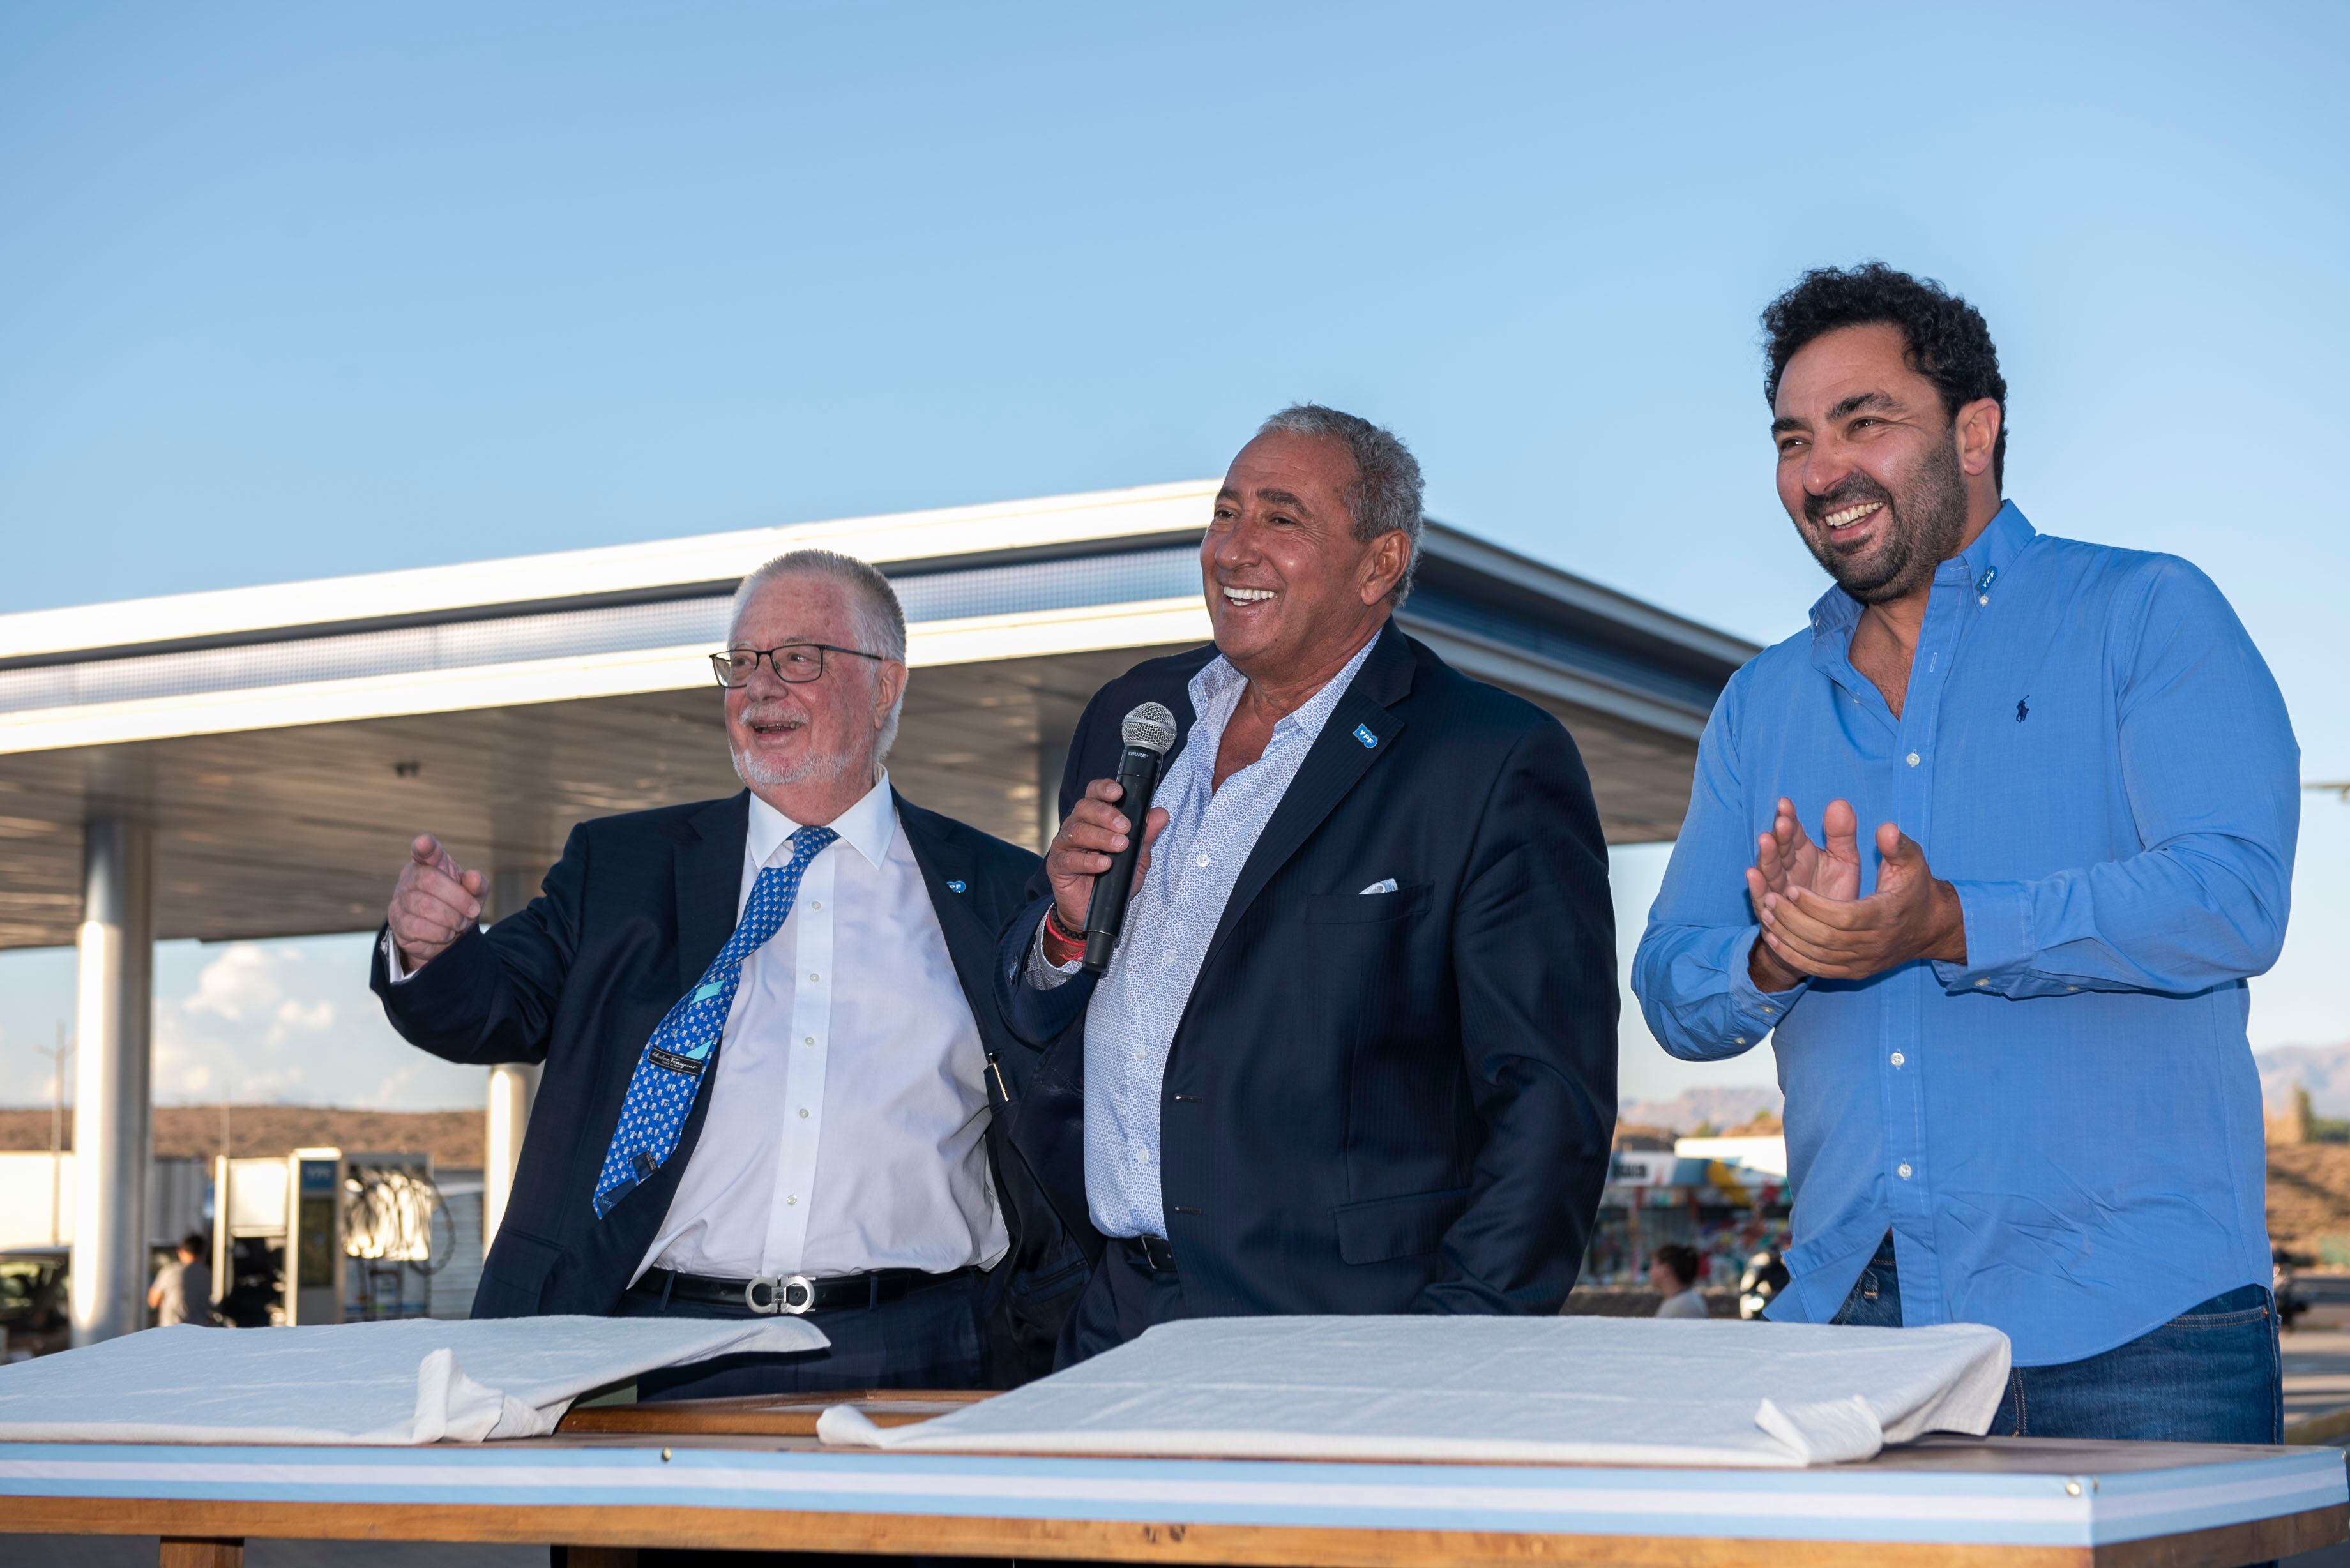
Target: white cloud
x=243, y=982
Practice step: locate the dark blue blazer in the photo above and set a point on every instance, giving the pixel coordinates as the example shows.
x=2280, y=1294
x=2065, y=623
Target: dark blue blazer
x=625, y=925
x=1392, y=1102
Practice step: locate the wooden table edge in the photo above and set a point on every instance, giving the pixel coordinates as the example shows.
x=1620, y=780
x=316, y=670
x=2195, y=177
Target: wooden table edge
x=1254, y=1546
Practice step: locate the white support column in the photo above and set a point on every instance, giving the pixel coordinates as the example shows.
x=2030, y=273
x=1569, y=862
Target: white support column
x=116, y=1009
x=513, y=1087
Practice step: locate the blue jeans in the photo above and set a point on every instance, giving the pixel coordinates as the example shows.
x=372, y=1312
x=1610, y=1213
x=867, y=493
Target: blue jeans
x=2210, y=1375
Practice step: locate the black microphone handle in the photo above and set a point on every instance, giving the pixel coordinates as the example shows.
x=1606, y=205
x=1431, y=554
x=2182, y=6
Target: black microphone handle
x=1138, y=779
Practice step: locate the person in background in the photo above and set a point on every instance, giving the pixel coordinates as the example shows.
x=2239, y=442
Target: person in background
x=1673, y=1272
x=1991, y=848
x=182, y=1291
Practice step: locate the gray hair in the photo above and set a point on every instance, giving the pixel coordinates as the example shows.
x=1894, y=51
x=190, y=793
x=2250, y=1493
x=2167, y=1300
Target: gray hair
x=873, y=604
x=1385, y=497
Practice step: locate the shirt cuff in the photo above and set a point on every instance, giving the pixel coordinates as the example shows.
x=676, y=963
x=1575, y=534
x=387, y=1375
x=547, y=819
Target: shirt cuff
x=1044, y=974
x=1761, y=1010
x=392, y=967
x=1998, y=916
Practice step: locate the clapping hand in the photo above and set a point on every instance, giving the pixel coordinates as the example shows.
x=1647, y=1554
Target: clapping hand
x=1816, y=924
x=436, y=901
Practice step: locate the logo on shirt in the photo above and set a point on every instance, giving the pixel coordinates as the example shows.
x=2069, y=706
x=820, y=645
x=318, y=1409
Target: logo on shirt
x=2023, y=708
x=1363, y=734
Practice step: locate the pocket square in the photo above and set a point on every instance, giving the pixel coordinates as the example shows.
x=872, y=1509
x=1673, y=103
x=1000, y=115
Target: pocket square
x=1384, y=885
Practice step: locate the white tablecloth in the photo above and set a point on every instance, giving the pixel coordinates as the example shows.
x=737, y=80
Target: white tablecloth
x=418, y=1381
x=1555, y=1389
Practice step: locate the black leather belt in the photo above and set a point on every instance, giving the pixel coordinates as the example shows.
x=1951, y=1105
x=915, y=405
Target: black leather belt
x=796, y=1294
x=1152, y=1252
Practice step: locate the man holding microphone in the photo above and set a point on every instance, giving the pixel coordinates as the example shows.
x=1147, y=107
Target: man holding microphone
x=1355, y=1049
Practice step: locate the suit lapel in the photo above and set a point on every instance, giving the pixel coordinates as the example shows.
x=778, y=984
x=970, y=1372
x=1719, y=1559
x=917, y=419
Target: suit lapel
x=1337, y=761
x=710, y=886
x=970, y=943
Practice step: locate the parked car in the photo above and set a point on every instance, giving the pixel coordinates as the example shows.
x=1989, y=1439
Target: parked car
x=34, y=1316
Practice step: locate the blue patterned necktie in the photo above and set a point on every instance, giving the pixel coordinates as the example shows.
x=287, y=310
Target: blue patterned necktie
x=675, y=1058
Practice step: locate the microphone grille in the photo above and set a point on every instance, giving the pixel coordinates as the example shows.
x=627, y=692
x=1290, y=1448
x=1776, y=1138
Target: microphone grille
x=1150, y=726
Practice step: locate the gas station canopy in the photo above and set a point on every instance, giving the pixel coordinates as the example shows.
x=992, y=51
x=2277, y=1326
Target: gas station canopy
x=283, y=742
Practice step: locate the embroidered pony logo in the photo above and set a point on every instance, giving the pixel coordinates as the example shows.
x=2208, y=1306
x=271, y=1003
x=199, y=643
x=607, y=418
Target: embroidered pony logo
x=2023, y=708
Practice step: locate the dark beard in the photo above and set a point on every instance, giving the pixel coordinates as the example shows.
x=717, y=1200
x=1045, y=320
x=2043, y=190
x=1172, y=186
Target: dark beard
x=1928, y=521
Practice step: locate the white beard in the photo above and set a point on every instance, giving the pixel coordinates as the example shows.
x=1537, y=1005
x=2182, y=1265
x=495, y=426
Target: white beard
x=758, y=771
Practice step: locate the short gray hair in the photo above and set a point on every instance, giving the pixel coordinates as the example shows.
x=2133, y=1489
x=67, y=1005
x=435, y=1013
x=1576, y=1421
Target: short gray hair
x=872, y=602
x=1386, y=495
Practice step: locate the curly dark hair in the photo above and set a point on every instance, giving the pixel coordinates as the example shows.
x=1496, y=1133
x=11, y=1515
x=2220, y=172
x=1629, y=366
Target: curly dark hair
x=1948, y=341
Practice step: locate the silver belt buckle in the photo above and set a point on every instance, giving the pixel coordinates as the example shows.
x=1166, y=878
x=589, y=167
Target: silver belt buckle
x=793, y=1293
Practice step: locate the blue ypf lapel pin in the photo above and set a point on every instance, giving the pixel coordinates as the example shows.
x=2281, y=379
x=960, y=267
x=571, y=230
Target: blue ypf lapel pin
x=1363, y=734
x=955, y=887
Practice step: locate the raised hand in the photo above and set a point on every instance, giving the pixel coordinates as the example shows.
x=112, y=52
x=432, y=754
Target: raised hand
x=1912, y=915
x=435, y=902
x=1094, y=830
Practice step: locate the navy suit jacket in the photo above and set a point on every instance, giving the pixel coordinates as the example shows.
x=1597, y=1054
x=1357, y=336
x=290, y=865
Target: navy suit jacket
x=1392, y=1102
x=625, y=925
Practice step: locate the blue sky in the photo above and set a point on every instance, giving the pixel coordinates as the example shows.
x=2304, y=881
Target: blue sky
x=289, y=291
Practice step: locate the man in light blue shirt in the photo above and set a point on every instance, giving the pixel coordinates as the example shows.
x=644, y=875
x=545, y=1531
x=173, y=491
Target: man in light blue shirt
x=1990, y=849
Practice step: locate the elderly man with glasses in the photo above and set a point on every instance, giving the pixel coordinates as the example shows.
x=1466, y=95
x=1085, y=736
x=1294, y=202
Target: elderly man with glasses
x=772, y=1079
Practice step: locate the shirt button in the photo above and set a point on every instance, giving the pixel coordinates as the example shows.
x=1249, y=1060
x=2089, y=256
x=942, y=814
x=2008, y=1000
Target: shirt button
x=1142, y=1156
x=1982, y=982
x=816, y=977
x=815, y=904
x=1768, y=1008
x=1913, y=759
x=809, y=1041
x=1897, y=1059
x=803, y=1113
x=1983, y=598
x=1902, y=1170
x=1203, y=860
x=1738, y=1040
x=794, y=1202
x=2072, y=988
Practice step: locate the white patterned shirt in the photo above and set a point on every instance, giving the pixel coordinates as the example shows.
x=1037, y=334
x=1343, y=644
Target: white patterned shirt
x=1130, y=1022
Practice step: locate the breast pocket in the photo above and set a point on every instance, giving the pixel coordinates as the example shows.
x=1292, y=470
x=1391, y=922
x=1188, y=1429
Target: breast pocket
x=1366, y=908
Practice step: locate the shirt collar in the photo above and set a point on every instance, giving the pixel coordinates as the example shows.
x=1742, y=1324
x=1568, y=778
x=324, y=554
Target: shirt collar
x=1979, y=567
x=1219, y=677
x=869, y=826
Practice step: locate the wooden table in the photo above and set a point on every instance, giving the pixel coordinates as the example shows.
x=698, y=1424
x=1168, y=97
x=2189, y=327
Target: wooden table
x=749, y=1474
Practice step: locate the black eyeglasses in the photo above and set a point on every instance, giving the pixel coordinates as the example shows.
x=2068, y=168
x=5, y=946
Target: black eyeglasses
x=794, y=662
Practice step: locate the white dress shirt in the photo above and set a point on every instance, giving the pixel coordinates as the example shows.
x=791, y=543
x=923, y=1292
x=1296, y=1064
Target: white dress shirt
x=851, y=1017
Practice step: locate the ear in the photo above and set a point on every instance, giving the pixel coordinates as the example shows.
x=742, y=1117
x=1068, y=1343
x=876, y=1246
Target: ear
x=1384, y=564
x=885, y=688
x=1977, y=432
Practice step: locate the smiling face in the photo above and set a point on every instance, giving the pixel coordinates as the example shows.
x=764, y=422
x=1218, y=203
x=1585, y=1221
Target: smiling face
x=1290, y=589
x=821, y=733
x=1882, y=484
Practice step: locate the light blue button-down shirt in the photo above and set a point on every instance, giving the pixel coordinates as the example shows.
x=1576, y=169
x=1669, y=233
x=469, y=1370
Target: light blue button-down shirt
x=1130, y=1025
x=2063, y=1134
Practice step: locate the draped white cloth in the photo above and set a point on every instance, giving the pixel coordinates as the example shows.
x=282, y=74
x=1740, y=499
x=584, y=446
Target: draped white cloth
x=416, y=1381
x=1552, y=1389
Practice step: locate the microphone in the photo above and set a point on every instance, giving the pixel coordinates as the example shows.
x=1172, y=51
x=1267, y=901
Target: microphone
x=1150, y=735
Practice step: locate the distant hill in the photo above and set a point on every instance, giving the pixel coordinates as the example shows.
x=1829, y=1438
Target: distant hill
x=1725, y=1107
x=454, y=1138
x=2322, y=1070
